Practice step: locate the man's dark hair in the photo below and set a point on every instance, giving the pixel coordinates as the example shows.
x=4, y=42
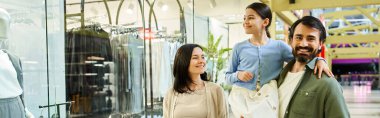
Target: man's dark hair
x=264, y=12
x=309, y=21
x=182, y=59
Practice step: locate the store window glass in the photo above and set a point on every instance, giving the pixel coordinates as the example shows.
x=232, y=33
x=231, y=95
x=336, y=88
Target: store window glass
x=104, y=59
x=36, y=37
x=118, y=55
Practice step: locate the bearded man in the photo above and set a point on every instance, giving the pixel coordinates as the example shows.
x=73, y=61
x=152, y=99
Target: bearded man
x=301, y=93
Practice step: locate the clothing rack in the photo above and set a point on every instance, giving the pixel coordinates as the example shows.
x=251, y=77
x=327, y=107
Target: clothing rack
x=94, y=30
x=170, y=38
x=122, y=30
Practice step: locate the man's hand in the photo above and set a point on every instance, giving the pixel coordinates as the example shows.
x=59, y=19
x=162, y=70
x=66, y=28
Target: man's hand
x=244, y=76
x=322, y=66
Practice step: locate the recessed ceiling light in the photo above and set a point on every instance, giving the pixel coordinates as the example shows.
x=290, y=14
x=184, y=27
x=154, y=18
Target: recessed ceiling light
x=130, y=8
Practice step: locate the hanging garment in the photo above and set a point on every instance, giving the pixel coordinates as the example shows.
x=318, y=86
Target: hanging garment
x=86, y=50
x=127, y=54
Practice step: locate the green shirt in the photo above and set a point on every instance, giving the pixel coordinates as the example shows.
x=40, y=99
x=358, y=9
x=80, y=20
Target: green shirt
x=315, y=98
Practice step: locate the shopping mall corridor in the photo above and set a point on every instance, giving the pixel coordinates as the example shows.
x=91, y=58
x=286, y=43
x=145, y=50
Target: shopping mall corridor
x=362, y=102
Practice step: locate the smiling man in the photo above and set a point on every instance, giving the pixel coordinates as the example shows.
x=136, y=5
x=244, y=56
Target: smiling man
x=301, y=94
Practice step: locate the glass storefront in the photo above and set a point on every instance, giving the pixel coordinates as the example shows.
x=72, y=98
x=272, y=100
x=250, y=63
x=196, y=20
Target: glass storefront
x=119, y=54
x=93, y=58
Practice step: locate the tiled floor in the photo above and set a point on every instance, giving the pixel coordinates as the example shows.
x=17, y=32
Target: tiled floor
x=362, y=102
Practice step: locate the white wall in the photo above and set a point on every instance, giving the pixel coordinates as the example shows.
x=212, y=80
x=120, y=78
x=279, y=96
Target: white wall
x=219, y=29
x=236, y=34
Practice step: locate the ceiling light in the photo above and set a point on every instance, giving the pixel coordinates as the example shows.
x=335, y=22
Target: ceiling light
x=212, y=3
x=130, y=8
x=163, y=6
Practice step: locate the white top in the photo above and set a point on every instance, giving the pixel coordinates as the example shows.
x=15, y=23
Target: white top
x=9, y=85
x=285, y=91
x=191, y=105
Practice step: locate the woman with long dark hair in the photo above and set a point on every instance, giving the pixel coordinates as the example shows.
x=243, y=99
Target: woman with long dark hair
x=192, y=95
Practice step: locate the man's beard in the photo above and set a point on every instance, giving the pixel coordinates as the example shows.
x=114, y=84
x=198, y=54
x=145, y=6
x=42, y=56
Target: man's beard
x=304, y=58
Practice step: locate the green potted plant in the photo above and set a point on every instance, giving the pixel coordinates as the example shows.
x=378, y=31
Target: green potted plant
x=215, y=57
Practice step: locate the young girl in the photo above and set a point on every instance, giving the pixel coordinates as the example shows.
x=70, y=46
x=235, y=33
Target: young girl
x=257, y=61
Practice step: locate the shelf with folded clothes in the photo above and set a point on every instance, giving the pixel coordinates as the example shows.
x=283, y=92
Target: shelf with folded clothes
x=90, y=82
x=89, y=106
x=84, y=74
x=78, y=63
x=68, y=52
x=87, y=69
x=74, y=57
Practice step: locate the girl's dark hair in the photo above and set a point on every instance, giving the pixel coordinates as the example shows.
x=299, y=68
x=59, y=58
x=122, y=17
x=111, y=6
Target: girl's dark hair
x=182, y=59
x=264, y=12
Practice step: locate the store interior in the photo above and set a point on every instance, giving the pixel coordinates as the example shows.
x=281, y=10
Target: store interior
x=114, y=58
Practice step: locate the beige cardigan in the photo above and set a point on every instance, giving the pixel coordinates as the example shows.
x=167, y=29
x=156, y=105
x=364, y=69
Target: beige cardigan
x=216, y=102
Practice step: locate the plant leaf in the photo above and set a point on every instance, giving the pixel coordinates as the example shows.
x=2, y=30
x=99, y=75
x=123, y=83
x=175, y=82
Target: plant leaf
x=223, y=50
x=218, y=41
